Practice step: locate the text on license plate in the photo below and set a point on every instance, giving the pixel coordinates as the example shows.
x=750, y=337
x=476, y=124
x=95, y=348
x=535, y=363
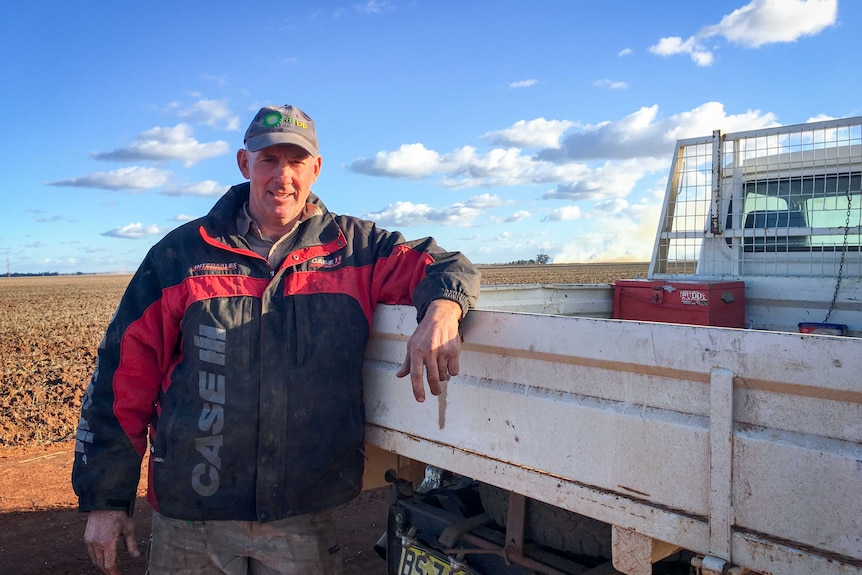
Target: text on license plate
x=415, y=561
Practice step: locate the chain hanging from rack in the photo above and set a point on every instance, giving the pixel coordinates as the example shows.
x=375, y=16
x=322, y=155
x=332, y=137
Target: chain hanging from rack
x=843, y=257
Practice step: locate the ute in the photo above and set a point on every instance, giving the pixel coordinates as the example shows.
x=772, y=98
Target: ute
x=704, y=419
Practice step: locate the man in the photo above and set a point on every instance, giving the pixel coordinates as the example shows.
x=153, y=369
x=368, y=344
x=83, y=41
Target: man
x=238, y=348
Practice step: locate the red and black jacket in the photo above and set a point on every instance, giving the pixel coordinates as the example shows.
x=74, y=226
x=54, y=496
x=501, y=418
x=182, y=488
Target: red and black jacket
x=248, y=380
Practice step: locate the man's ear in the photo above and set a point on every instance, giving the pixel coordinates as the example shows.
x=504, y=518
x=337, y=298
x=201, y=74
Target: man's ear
x=242, y=160
x=318, y=162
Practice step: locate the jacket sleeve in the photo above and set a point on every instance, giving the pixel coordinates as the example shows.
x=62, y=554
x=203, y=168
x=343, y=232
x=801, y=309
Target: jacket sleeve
x=420, y=271
x=119, y=403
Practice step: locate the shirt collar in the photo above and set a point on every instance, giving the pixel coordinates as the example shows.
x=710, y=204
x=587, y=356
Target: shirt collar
x=243, y=220
x=245, y=223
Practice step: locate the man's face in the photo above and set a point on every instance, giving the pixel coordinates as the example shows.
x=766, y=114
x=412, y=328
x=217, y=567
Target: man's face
x=281, y=178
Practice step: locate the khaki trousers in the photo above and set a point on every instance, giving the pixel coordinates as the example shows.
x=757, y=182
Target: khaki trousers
x=302, y=545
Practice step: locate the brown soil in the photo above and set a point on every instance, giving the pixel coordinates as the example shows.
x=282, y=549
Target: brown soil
x=49, y=330
x=41, y=531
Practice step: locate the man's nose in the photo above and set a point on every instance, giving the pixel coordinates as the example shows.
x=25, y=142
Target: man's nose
x=284, y=172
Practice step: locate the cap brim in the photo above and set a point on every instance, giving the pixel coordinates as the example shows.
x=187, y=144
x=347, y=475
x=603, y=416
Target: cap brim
x=262, y=141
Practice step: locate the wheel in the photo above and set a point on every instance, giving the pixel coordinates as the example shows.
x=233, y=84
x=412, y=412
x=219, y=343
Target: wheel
x=551, y=526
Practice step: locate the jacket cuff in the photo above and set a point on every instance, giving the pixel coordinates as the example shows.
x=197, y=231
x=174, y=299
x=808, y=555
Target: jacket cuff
x=451, y=295
x=108, y=505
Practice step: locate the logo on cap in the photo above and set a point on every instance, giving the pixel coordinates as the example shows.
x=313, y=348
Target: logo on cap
x=275, y=119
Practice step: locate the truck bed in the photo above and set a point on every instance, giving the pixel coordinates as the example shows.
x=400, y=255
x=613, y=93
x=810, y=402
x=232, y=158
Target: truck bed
x=716, y=440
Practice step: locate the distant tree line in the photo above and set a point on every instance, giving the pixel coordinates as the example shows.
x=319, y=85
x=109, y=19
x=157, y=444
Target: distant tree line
x=540, y=259
x=32, y=275
x=42, y=274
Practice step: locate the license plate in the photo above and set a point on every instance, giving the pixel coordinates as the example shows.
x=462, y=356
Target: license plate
x=416, y=561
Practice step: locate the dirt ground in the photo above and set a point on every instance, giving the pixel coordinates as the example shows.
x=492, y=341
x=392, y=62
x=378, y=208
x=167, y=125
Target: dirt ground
x=49, y=330
x=41, y=531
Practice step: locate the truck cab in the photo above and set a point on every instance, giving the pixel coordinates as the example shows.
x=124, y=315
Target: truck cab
x=779, y=209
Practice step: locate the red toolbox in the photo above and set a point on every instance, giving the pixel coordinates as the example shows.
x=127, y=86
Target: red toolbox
x=719, y=303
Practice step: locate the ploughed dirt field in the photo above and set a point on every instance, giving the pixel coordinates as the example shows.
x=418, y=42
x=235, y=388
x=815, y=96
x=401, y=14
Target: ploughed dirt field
x=49, y=330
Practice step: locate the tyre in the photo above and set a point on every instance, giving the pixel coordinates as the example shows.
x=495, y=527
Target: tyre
x=551, y=526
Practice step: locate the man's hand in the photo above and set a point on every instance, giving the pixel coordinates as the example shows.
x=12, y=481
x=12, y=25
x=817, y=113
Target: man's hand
x=434, y=346
x=104, y=529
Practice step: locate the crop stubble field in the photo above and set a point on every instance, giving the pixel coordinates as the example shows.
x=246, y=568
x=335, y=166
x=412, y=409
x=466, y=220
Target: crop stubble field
x=50, y=328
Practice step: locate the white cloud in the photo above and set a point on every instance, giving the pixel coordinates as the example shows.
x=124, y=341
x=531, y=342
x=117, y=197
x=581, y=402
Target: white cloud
x=183, y=218
x=408, y=161
x=484, y=201
x=507, y=167
x=133, y=178
x=564, y=214
x=610, y=207
x=625, y=52
x=675, y=45
x=758, y=23
x=205, y=188
x=524, y=83
x=136, y=231
x=402, y=214
x=406, y=214
x=213, y=113
x=533, y=133
x=612, y=84
x=518, y=216
x=460, y=214
x=465, y=167
x=770, y=21
x=643, y=134
x=819, y=118
x=163, y=144
x=610, y=180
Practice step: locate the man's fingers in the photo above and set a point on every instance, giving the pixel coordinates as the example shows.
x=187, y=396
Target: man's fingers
x=416, y=379
x=103, y=556
x=448, y=367
x=434, y=377
x=132, y=545
x=109, y=561
x=92, y=553
x=438, y=367
x=438, y=370
x=454, y=364
x=405, y=366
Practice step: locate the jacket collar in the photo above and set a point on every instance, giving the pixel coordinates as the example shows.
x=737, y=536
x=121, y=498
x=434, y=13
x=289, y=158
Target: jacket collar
x=220, y=222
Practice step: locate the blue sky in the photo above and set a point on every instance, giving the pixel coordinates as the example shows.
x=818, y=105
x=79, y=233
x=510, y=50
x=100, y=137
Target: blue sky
x=503, y=129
